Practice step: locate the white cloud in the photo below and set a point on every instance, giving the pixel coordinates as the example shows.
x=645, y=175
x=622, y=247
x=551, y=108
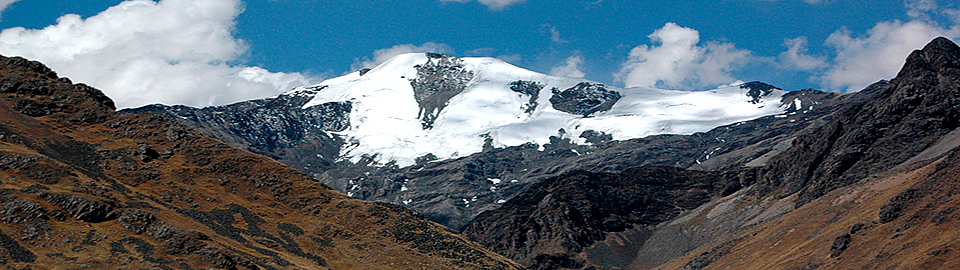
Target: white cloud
x=679, y=62
x=4, y=4
x=555, y=35
x=920, y=9
x=492, y=4
x=953, y=15
x=860, y=60
x=570, y=69
x=382, y=55
x=877, y=55
x=142, y=52
x=796, y=56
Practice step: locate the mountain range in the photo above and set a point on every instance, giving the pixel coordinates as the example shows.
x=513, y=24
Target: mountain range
x=525, y=170
x=451, y=137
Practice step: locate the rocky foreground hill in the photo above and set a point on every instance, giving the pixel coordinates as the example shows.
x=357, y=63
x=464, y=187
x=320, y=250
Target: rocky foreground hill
x=82, y=186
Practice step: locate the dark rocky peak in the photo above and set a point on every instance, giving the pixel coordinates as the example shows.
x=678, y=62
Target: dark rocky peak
x=438, y=80
x=35, y=86
x=940, y=56
x=894, y=122
x=584, y=99
x=276, y=127
x=26, y=65
x=364, y=71
x=758, y=90
x=438, y=55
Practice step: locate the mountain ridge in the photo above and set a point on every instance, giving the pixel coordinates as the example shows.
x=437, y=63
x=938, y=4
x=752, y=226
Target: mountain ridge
x=84, y=186
x=451, y=190
x=822, y=161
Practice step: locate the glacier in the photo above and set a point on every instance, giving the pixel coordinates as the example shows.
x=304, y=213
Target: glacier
x=394, y=123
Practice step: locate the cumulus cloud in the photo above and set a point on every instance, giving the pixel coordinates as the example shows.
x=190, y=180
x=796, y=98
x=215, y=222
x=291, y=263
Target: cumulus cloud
x=953, y=15
x=859, y=60
x=920, y=9
x=382, y=55
x=797, y=57
x=879, y=54
x=570, y=69
x=142, y=52
x=492, y=4
x=680, y=62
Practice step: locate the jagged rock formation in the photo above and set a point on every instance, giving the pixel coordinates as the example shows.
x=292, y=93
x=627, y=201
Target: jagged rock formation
x=275, y=127
x=906, y=116
x=547, y=224
x=532, y=90
x=85, y=187
x=758, y=90
x=584, y=99
x=436, y=83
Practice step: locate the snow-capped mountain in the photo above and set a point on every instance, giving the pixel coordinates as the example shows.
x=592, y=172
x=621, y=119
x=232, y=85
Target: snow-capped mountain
x=476, y=131
x=439, y=107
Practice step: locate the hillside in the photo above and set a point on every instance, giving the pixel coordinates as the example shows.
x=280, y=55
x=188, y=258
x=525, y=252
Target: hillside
x=878, y=169
x=85, y=187
x=880, y=192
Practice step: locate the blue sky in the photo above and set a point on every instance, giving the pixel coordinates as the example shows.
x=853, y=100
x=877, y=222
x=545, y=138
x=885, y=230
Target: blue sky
x=208, y=52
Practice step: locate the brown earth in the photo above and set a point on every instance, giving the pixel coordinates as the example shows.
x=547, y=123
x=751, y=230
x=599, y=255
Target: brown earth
x=904, y=220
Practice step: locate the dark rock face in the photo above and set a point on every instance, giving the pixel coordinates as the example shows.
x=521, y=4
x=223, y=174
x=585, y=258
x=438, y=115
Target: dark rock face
x=840, y=244
x=438, y=80
x=69, y=104
x=531, y=89
x=758, y=90
x=904, y=117
x=22, y=210
x=146, y=153
x=274, y=127
x=563, y=215
x=83, y=208
x=584, y=99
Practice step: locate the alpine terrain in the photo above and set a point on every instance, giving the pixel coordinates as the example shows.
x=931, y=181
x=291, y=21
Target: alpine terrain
x=564, y=173
x=82, y=186
x=451, y=137
x=874, y=187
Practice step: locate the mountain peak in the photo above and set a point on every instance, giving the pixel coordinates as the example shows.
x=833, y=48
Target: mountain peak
x=940, y=55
